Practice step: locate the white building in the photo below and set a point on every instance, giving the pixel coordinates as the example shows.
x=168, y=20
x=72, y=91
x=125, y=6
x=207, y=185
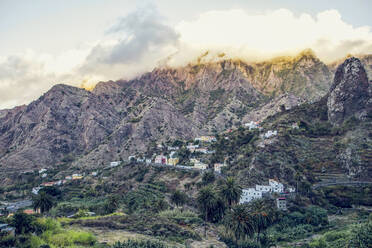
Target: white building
x=200, y=166
x=206, y=139
x=44, y=175
x=42, y=171
x=114, y=163
x=36, y=190
x=264, y=188
x=173, y=148
x=281, y=203
x=291, y=190
x=251, y=125
x=270, y=133
x=192, y=147
x=295, y=125
x=148, y=160
x=68, y=177
x=249, y=195
x=276, y=186
x=94, y=173
x=140, y=160
x=160, y=159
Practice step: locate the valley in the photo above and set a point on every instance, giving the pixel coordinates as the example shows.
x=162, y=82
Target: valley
x=165, y=158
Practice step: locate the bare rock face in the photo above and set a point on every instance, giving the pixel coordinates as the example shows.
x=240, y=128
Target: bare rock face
x=349, y=93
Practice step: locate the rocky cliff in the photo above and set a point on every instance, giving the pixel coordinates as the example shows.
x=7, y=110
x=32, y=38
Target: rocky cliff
x=350, y=93
x=68, y=125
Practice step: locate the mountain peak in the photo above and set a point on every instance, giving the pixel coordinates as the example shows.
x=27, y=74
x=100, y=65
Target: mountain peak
x=349, y=92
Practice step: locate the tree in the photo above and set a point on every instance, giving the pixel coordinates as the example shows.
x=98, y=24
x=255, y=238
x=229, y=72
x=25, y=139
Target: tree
x=23, y=223
x=210, y=205
x=111, y=204
x=362, y=236
x=262, y=214
x=230, y=191
x=208, y=177
x=52, y=191
x=239, y=222
x=43, y=202
x=179, y=198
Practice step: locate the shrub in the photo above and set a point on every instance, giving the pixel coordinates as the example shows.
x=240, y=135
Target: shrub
x=7, y=241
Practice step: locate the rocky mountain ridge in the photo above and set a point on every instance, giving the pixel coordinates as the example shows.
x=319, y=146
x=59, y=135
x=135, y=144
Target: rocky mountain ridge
x=74, y=126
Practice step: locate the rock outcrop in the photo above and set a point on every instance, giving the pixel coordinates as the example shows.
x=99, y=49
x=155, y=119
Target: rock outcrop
x=349, y=94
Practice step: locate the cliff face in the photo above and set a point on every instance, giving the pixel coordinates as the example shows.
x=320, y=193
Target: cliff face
x=350, y=92
x=116, y=119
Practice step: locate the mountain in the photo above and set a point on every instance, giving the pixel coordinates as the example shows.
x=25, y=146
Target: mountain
x=333, y=139
x=72, y=126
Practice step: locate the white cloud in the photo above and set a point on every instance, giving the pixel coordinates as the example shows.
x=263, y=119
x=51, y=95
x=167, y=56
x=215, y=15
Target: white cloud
x=142, y=40
x=275, y=33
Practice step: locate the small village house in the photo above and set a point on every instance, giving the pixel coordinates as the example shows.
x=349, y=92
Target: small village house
x=276, y=186
x=281, y=203
x=140, y=160
x=206, y=139
x=77, y=176
x=270, y=134
x=264, y=188
x=192, y=147
x=249, y=195
x=173, y=148
x=200, y=166
x=160, y=159
x=114, y=163
x=35, y=190
x=251, y=125
x=217, y=167
x=173, y=161
x=41, y=171
x=295, y=125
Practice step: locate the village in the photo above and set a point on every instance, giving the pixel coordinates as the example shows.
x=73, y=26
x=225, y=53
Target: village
x=169, y=158
x=199, y=147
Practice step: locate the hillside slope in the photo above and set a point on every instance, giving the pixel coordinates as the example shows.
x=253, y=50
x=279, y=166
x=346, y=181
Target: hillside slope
x=68, y=125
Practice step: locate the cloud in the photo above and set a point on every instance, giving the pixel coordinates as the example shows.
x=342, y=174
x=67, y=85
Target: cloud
x=274, y=33
x=134, y=44
x=143, y=39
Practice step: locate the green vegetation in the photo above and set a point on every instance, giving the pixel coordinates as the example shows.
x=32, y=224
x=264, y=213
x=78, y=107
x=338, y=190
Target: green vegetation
x=36, y=232
x=139, y=244
x=42, y=201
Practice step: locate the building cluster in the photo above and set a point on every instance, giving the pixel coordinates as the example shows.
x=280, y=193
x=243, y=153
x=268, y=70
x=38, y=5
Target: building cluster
x=173, y=160
x=259, y=191
x=76, y=176
x=253, y=125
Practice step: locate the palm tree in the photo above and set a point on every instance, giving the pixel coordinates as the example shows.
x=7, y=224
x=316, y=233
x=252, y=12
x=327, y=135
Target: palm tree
x=230, y=191
x=263, y=215
x=239, y=221
x=43, y=202
x=209, y=204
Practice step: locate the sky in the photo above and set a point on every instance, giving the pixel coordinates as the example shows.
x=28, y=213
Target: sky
x=82, y=42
